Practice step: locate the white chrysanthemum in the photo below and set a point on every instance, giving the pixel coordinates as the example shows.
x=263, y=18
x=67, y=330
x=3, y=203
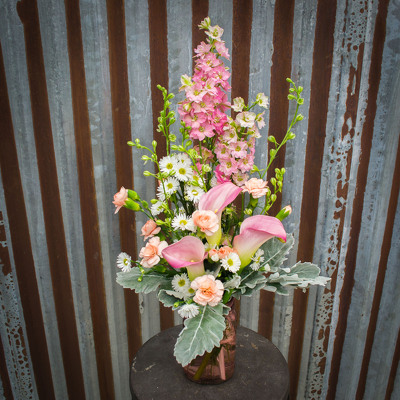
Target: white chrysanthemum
x=183, y=158
x=124, y=262
x=168, y=164
x=157, y=208
x=188, y=310
x=181, y=221
x=171, y=185
x=194, y=193
x=231, y=262
x=183, y=172
x=258, y=256
x=233, y=283
x=181, y=283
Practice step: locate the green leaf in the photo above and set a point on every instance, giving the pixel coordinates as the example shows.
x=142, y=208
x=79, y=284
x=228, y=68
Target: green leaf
x=201, y=334
x=150, y=281
x=167, y=299
x=275, y=252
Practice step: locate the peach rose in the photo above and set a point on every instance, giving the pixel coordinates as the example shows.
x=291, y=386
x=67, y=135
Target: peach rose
x=213, y=254
x=256, y=187
x=224, y=251
x=150, y=229
x=206, y=220
x=208, y=290
x=152, y=252
x=120, y=198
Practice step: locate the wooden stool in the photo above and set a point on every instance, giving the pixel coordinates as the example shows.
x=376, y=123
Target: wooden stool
x=261, y=372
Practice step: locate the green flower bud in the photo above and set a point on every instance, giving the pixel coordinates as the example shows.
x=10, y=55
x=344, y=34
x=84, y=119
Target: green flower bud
x=147, y=173
x=132, y=205
x=130, y=143
x=285, y=212
x=132, y=194
x=248, y=211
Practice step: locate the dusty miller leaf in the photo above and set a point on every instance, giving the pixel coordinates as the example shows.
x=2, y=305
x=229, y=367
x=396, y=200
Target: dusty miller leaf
x=150, y=282
x=275, y=252
x=200, y=334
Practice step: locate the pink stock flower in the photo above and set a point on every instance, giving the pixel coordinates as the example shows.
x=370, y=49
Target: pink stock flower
x=151, y=253
x=221, y=178
x=202, y=49
x=208, y=290
x=188, y=252
x=120, y=198
x=222, y=50
x=150, y=229
x=229, y=167
x=206, y=220
x=256, y=187
x=238, y=149
x=254, y=232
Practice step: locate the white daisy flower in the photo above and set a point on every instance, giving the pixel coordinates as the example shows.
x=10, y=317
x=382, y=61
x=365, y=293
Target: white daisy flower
x=231, y=262
x=181, y=283
x=157, y=208
x=233, y=283
x=188, y=292
x=188, y=310
x=171, y=185
x=124, y=262
x=183, y=158
x=258, y=256
x=181, y=221
x=168, y=164
x=183, y=172
x=194, y=193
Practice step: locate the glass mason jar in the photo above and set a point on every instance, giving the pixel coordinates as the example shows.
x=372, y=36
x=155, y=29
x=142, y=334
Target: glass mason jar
x=218, y=365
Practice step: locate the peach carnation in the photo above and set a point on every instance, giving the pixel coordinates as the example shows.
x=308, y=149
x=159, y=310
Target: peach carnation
x=224, y=251
x=207, y=221
x=208, y=290
x=256, y=187
x=120, y=198
x=150, y=229
x=151, y=253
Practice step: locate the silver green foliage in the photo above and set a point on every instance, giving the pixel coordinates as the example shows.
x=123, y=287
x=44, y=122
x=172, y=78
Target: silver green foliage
x=200, y=334
x=275, y=252
x=145, y=283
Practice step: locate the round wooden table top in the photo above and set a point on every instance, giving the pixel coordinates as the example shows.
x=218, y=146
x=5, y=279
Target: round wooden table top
x=261, y=372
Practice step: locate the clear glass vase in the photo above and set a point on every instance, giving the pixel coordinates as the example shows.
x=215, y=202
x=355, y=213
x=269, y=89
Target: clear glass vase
x=218, y=365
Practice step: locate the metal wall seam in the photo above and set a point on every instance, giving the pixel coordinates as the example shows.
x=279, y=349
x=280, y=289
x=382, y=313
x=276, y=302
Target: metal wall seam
x=259, y=81
x=119, y=85
x=137, y=33
x=304, y=26
x=158, y=41
x=179, y=62
x=96, y=61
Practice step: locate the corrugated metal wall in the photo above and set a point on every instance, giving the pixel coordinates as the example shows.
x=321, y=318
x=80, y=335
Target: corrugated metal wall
x=78, y=80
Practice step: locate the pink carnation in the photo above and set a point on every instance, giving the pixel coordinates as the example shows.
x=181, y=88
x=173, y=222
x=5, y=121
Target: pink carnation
x=256, y=187
x=120, y=198
x=150, y=229
x=208, y=290
x=206, y=220
x=151, y=253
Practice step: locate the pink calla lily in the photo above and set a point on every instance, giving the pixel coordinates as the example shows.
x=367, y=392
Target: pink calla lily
x=254, y=232
x=215, y=200
x=188, y=252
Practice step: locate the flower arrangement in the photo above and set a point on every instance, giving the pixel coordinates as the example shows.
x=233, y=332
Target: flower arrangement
x=209, y=237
